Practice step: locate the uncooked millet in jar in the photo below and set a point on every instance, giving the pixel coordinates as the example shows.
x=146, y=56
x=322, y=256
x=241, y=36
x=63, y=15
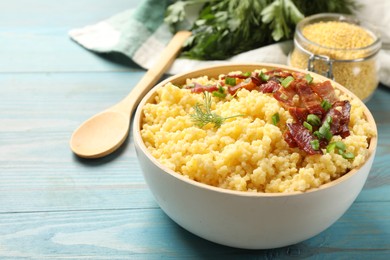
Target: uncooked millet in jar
x=340, y=35
x=344, y=43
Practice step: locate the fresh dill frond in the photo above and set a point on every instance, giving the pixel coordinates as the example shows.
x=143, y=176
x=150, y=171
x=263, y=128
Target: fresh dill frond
x=202, y=113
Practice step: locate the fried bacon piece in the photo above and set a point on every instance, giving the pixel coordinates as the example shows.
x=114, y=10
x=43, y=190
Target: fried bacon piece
x=325, y=91
x=299, y=113
x=199, y=88
x=302, y=138
x=289, y=139
x=248, y=84
x=270, y=86
x=340, y=119
x=286, y=96
x=309, y=98
x=256, y=80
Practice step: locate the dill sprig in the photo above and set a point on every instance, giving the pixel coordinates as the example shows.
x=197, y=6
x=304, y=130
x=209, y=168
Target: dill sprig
x=202, y=113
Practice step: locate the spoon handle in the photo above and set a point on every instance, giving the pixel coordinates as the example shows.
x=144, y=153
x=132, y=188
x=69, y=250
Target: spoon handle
x=168, y=55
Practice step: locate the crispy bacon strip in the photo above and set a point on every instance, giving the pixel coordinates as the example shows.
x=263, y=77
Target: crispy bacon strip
x=302, y=138
x=286, y=96
x=299, y=113
x=289, y=139
x=325, y=91
x=309, y=98
x=340, y=120
x=198, y=88
x=270, y=86
x=248, y=84
x=256, y=80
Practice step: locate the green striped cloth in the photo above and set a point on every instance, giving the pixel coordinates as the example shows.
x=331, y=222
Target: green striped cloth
x=141, y=35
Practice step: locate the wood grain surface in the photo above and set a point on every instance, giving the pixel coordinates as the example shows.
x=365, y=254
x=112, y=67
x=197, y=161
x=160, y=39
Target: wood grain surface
x=54, y=205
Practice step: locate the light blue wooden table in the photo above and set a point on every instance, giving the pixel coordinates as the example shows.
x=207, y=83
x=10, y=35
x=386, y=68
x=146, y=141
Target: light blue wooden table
x=54, y=205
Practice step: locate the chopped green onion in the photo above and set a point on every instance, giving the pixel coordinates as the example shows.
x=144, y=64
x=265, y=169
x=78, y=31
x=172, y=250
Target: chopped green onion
x=348, y=155
x=313, y=120
x=287, y=81
x=317, y=134
x=246, y=74
x=230, y=81
x=263, y=76
x=218, y=94
x=325, y=132
x=341, y=146
x=275, y=118
x=315, y=144
x=308, y=126
x=326, y=105
x=330, y=147
x=308, y=78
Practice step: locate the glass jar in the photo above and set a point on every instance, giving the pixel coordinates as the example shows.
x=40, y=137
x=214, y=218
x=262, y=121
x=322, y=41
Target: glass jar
x=331, y=51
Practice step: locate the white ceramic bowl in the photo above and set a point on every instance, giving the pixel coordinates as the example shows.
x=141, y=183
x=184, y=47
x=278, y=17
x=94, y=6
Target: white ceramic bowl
x=243, y=219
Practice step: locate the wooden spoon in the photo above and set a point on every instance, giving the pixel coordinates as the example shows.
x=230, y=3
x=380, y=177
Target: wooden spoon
x=103, y=133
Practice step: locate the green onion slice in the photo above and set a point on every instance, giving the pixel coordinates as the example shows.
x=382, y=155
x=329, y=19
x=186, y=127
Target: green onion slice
x=330, y=147
x=325, y=132
x=263, y=76
x=313, y=120
x=341, y=146
x=333, y=145
x=326, y=105
x=315, y=144
x=246, y=74
x=287, y=81
x=230, y=81
x=348, y=155
x=218, y=94
x=308, y=126
x=309, y=78
x=275, y=118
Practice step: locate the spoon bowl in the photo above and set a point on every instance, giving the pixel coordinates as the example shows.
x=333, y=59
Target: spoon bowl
x=105, y=132
x=101, y=134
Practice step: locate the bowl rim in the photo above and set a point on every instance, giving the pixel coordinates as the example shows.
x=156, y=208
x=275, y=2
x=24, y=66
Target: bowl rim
x=229, y=66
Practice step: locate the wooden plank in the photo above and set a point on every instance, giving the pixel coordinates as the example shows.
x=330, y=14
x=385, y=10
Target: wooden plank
x=38, y=171
x=148, y=234
x=378, y=181
x=35, y=38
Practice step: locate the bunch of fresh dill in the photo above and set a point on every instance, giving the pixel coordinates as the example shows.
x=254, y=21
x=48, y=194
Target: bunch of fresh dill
x=223, y=28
